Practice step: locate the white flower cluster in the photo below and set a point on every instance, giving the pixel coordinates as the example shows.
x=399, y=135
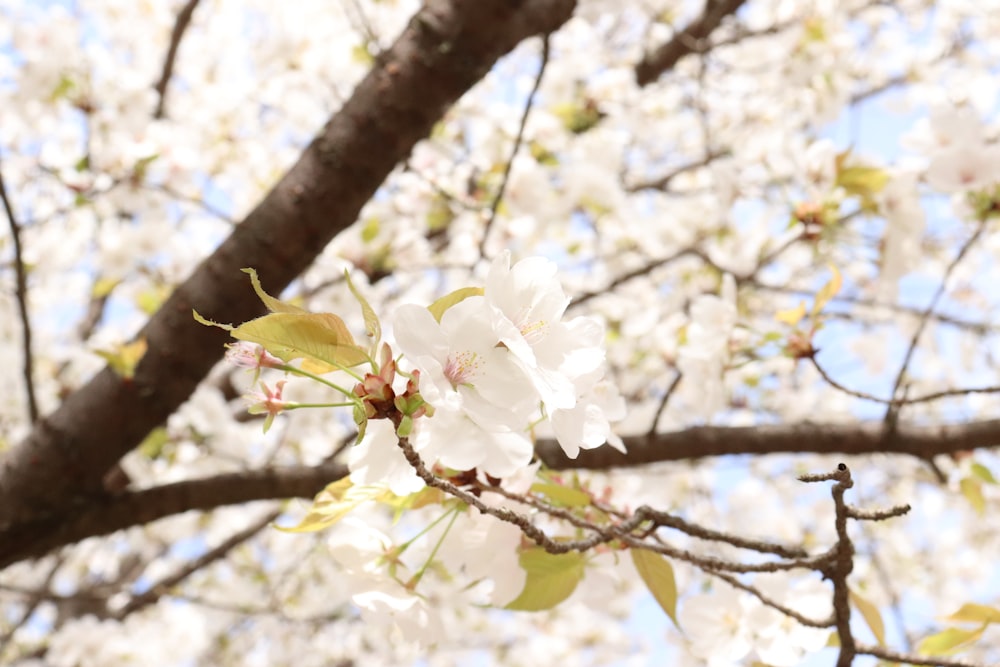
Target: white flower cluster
x=494, y=366
x=961, y=157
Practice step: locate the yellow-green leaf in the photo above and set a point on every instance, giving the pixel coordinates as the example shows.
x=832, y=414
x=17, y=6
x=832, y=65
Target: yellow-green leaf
x=104, y=286
x=149, y=300
x=975, y=613
x=334, y=503
x=562, y=495
x=448, y=300
x=316, y=337
x=210, y=323
x=863, y=182
x=123, y=359
x=792, y=316
x=827, y=291
x=551, y=578
x=370, y=230
x=983, y=473
x=372, y=326
x=274, y=305
x=658, y=575
x=972, y=489
x=948, y=641
x=871, y=615
x=153, y=444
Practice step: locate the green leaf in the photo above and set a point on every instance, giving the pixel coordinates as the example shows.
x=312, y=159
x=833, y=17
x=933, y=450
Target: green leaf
x=317, y=337
x=274, y=305
x=123, y=359
x=863, y=182
x=103, y=287
x=827, y=291
x=563, y=496
x=210, y=323
x=983, y=473
x=448, y=300
x=871, y=615
x=658, y=575
x=440, y=215
x=972, y=489
x=372, y=326
x=153, y=444
x=334, y=503
x=370, y=230
x=948, y=641
x=551, y=579
x=792, y=316
x=975, y=613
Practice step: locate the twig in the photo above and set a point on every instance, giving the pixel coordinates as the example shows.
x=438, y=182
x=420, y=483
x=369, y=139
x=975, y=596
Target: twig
x=898, y=402
x=31, y=605
x=183, y=20
x=689, y=40
x=21, y=293
x=163, y=586
x=663, y=403
x=843, y=562
x=518, y=139
x=911, y=658
x=787, y=611
x=892, y=414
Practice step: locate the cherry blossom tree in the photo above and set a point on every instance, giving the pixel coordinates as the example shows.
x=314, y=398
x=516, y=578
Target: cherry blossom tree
x=495, y=331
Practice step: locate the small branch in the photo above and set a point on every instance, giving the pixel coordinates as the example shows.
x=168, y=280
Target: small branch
x=21, y=294
x=663, y=403
x=643, y=270
x=787, y=611
x=899, y=402
x=663, y=182
x=162, y=587
x=689, y=40
x=518, y=139
x=911, y=658
x=843, y=562
x=31, y=605
x=180, y=26
x=892, y=414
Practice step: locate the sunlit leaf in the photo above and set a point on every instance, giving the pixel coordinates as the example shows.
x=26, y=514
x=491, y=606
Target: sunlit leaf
x=871, y=615
x=372, y=326
x=334, y=503
x=972, y=489
x=153, y=444
x=123, y=359
x=863, y=182
x=448, y=300
x=274, y=305
x=658, y=575
x=563, y=496
x=551, y=578
x=827, y=291
x=983, y=473
x=104, y=286
x=975, y=613
x=319, y=337
x=210, y=323
x=949, y=641
x=792, y=316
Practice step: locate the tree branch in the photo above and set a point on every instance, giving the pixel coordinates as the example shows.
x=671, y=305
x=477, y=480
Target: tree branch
x=447, y=47
x=133, y=508
x=687, y=41
x=21, y=293
x=180, y=26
